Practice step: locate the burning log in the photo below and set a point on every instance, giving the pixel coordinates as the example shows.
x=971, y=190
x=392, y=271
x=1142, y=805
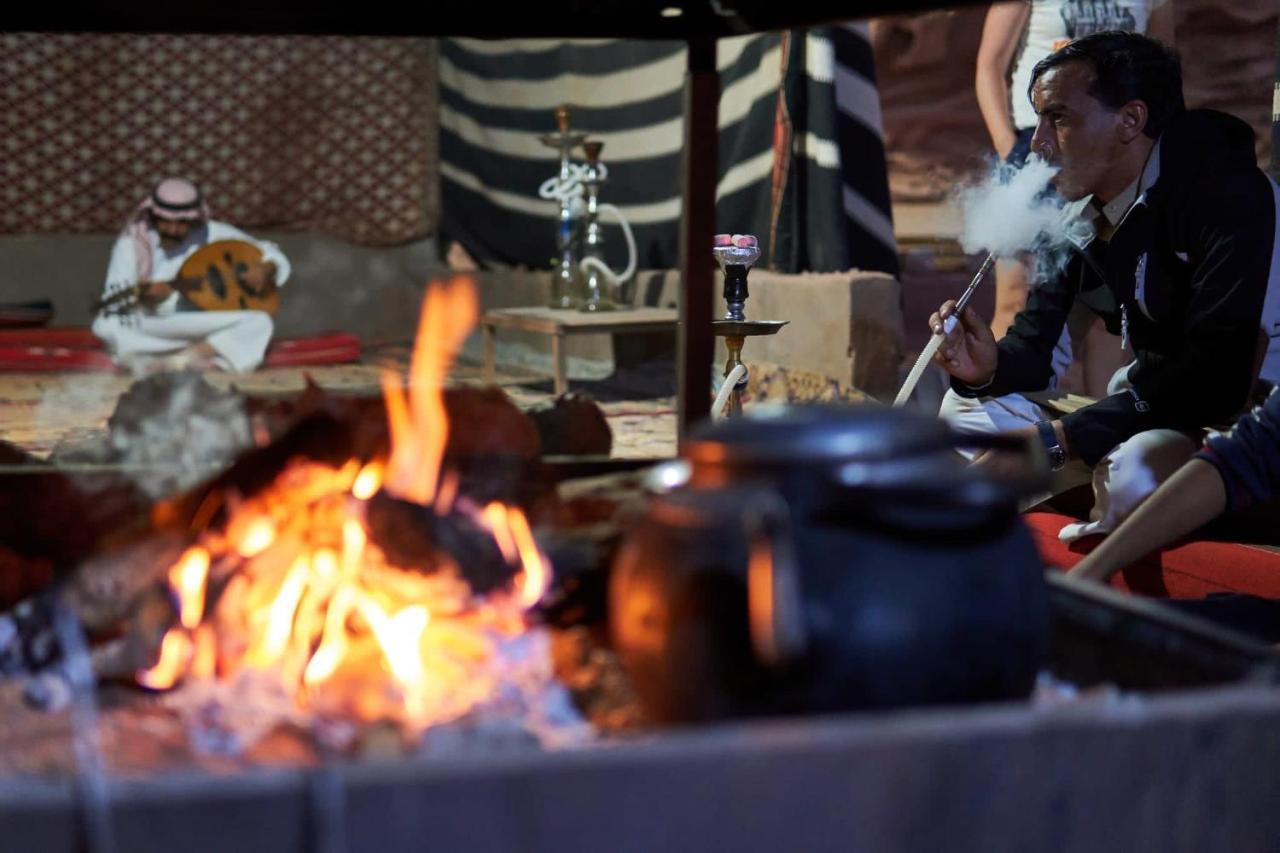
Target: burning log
x=417, y=537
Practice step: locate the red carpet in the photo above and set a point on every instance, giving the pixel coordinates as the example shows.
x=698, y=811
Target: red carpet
x=1191, y=569
x=58, y=349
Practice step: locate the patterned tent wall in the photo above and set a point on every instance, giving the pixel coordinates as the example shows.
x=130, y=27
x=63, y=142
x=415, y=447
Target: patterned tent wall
x=801, y=105
x=327, y=134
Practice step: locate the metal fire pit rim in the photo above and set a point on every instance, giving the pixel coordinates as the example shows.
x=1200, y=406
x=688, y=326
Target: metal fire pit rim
x=726, y=739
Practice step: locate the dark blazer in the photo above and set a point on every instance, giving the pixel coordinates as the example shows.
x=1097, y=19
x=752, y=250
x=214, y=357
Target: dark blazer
x=1185, y=274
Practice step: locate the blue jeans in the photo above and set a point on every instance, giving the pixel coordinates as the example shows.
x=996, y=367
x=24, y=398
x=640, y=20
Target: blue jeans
x=1021, y=148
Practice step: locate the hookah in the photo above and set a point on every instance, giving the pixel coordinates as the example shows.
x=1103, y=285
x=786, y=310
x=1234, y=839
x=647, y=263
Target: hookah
x=565, y=188
x=575, y=180
x=602, y=284
x=736, y=253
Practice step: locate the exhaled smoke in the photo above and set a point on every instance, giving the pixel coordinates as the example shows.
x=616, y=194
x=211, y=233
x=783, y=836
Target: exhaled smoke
x=1015, y=211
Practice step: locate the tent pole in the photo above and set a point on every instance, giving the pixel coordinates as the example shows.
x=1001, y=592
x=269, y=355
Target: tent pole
x=697, y=227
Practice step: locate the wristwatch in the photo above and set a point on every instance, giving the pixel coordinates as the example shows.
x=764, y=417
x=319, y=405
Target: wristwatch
x=1057, y=455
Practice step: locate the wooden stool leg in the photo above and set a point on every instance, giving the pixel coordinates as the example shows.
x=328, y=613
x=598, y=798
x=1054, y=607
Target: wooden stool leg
x=557, y=357
x=489, y=357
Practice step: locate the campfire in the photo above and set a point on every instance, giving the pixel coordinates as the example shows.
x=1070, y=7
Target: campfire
x=292, y=591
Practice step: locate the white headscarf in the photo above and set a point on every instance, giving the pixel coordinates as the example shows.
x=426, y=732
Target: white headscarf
x=176, y=199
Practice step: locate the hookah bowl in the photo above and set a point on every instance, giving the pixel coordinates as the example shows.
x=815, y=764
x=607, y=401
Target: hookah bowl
x=736, y=253
x=564, y=274
x=597, y=290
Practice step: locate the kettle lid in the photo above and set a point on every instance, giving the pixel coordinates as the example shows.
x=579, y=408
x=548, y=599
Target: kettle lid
x=817, y=433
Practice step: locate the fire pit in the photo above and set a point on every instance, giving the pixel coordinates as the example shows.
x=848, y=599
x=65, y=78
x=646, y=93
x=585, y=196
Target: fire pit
x=351, y=640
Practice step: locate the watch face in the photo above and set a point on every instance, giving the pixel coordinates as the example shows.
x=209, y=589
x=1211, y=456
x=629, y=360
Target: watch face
x=1057, y=458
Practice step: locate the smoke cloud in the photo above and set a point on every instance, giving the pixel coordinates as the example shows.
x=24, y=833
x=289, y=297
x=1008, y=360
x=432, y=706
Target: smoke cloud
x=1014, y=211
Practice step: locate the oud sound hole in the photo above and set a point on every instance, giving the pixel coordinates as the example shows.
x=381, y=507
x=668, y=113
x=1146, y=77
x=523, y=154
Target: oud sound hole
x=216, y=282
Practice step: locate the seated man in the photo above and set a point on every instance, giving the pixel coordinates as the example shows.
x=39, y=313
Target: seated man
x=167, y=227
x=1181, y=268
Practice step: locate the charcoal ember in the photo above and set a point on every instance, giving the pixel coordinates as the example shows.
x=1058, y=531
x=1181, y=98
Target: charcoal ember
x=320, y=437
x=28, y=639
x=105, y=589
x=50, y=691
x=573, y=424
x=493, y=447
x=22, y=576
x=137, y=647
x=485, y=422
x=40, y=509
x=579, y=592
x=174, y=430
x=596, y=679
x=415, y=537
x=275, y=416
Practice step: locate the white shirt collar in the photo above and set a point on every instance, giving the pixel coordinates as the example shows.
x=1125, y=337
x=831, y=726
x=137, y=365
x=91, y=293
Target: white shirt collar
x=1136, y=192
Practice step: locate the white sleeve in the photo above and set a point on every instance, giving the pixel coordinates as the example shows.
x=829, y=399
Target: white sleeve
x=122, y=270
x=270, y=251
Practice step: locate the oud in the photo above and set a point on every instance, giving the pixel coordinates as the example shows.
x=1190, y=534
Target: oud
x=212, y=279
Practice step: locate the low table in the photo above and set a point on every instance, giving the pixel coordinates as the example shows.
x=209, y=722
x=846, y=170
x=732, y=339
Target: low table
x=559, y=322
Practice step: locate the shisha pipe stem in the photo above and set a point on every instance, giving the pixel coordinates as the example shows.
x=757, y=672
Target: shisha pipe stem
x=948, y=325
x=963, y=301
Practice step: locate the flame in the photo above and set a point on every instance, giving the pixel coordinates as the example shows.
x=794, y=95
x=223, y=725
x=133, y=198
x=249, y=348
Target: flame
x=258, y=536
x=534, y=576
x=187, y=579
x=368, y=481
x=280, y=623
x=313, y=599
x=204, y=659
x=175, y=649
x=419, y=426
x=333, y=642
x=515, y=540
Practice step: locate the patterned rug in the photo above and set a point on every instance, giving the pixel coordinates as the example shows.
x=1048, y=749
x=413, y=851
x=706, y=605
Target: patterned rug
x=39, y=410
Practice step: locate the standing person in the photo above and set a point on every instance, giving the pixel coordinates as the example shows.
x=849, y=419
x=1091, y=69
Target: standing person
x=1183, y=268
x=166, y=228
x=1015, y=36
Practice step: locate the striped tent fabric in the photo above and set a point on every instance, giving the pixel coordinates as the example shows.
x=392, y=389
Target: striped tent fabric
x=829, y=211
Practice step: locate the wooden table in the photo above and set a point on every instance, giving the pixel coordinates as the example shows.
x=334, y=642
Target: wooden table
x=559, y=322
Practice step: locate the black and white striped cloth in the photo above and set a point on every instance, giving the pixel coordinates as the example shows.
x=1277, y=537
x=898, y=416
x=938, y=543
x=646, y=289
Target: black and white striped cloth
x=496, y=97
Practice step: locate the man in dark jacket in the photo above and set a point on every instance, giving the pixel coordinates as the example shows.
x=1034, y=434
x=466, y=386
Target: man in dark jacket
x=1181, y=268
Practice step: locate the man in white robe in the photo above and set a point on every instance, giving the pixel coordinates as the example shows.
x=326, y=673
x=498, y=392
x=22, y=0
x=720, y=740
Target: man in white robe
x=166, y=229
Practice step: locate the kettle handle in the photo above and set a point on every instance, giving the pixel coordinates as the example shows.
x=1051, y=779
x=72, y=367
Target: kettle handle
x=774, y=607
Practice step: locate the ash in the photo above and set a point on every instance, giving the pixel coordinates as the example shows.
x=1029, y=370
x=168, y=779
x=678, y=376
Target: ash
x=528, y=710
x=175, y=428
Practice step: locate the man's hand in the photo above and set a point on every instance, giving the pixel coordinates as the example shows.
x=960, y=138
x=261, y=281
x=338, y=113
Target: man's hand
x=258, y=277
x=152, y=293
x=969, y=351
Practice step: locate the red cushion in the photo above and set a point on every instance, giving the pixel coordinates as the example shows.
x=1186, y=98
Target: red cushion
x=42, y=359
x=39, y=350
x=57, y=336
x=1190, y=569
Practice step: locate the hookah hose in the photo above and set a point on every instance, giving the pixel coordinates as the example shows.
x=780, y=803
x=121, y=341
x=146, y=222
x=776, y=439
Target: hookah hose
x=588, y=264
x=926, y=354
x=570, y=189
x=737, y=375
x=553, y=189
